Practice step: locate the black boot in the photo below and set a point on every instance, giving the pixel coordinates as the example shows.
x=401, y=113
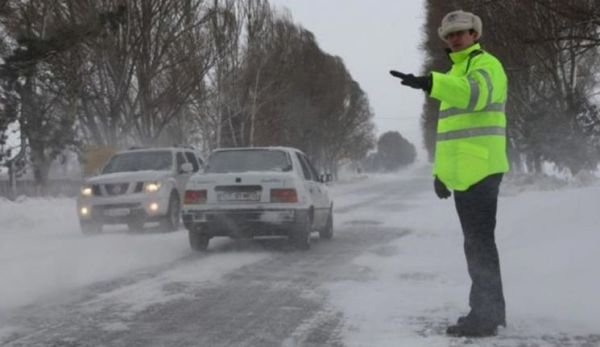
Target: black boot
x=462, y=319
x=469, y=327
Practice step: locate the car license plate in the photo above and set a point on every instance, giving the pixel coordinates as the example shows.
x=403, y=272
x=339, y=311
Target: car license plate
x=239, y=196
x=116, y=212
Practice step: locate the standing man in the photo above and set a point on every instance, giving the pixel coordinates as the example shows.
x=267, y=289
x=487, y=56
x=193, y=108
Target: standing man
x=470, y=159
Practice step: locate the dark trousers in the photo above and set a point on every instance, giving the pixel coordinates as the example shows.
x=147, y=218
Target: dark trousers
x=476, y=209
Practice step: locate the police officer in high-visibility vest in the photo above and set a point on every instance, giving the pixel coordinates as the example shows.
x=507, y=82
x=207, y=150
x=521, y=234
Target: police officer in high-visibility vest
x=470, y=159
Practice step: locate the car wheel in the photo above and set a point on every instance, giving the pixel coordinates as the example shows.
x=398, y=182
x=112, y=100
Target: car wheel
x=198, y=240
x=327, y=232
x=170, y=222
x=300, y=236
x=90, y=227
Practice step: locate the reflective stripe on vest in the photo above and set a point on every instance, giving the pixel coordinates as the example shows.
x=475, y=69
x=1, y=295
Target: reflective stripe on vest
x=475, y=97
x=474, y=93
x=453, y=111
x=464, y=133
x=488, y=82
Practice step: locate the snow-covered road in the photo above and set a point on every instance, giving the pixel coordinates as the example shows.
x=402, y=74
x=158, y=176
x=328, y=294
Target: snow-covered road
x=394, y=275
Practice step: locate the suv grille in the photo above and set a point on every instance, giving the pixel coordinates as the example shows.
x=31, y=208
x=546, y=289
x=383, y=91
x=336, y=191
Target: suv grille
x=123, y=205
x=116, y=188
x=96, y=190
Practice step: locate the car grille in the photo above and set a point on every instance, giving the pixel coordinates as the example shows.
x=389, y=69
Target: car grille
x=123, y=205
x=111, y=189
x=96, y=190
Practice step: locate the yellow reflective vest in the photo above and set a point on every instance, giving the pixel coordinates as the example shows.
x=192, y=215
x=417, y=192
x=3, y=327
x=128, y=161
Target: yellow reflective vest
x=471, y=130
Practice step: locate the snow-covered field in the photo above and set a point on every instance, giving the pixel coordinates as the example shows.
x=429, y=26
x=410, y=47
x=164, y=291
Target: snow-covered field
x=43, y=253
x=548, y=244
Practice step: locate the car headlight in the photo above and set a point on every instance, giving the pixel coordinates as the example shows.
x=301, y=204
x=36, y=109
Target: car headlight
x=86, y=191
x=151, y=187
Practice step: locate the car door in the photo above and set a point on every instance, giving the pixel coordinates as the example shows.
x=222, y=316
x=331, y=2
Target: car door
x=307, y=181
x=311, y=182
x=321, y=195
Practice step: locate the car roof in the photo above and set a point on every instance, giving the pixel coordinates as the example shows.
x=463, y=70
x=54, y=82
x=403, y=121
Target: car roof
x=156, y=149
x=267, y=148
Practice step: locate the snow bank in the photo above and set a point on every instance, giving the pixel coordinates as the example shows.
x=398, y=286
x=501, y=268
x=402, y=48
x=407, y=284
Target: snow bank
x=548, y=244
x=418, y=284
x=43, y=253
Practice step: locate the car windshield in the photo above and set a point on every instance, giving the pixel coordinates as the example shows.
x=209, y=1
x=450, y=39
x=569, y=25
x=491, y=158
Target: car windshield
x=138, y=161
x=248, y=160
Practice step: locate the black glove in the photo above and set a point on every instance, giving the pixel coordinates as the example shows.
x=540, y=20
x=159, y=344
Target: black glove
x=417, y=82
x=440, y=189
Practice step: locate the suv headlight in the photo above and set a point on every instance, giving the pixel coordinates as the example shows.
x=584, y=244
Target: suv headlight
x=151, y=187
x=86, y=191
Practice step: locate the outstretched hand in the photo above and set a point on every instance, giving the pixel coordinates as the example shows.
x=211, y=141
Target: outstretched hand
x=398, y=74
x=417, y=82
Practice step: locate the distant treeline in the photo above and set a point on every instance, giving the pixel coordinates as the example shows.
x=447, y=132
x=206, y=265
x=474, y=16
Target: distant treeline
x=82, y=74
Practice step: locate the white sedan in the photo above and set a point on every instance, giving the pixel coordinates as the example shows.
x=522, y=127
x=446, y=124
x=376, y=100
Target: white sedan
x=257, y=191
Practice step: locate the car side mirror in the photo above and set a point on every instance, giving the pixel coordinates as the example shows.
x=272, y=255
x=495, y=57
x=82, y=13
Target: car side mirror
x=186, y=168
x=325, y=178
x=322, y=178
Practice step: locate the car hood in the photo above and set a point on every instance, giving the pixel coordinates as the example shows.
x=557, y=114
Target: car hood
x=243, y=178
x=132, y=176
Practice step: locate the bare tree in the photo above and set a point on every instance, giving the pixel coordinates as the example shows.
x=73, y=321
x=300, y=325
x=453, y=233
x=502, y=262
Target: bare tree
x=111, y=73
x=167, y=48
x=43, y=103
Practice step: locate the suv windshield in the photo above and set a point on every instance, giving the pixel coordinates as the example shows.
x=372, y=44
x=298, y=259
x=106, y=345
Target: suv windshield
x=248, y=160
x=138, y=161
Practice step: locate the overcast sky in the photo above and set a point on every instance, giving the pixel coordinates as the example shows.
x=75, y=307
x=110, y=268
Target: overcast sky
x=373, y=37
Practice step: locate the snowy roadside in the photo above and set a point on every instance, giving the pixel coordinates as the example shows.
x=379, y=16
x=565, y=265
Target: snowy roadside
x=548, y=243
x=418, y=284
x=44, y=254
